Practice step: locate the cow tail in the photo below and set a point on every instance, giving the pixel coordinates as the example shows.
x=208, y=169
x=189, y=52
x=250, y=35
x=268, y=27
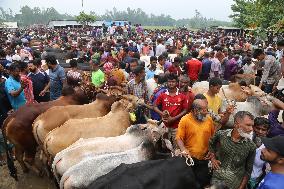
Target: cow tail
x=10, y=160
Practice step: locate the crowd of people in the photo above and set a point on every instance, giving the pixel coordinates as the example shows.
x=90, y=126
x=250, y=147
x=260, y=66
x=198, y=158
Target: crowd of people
x=160, y=66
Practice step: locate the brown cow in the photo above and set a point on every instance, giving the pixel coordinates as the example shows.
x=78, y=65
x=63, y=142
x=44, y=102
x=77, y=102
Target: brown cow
x=233, y=91
x=113, y=124
x=51, y=119
x=18, y=126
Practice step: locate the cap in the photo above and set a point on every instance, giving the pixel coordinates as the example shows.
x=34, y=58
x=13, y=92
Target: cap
x=275, y=144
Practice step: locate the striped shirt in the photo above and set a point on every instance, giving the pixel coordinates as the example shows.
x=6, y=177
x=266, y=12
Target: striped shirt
x=236, y=158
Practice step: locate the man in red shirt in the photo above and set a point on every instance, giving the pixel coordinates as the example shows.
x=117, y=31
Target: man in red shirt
x=174, y=106
x=194, y=67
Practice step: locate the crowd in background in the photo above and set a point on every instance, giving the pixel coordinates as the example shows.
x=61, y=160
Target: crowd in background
x=160, y=66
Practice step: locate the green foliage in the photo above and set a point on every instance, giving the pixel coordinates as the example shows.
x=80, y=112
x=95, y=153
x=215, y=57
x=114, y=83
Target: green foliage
x=257, y=13
x=85, y=19
x=29, y=16
x=199, y=22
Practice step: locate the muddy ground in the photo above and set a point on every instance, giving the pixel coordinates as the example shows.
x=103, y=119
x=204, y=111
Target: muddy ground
x=25, y=181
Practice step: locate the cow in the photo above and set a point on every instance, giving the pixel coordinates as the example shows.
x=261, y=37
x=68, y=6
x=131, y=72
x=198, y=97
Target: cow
x=114, y=123
x=249, y=79
x=253, y=105
x=233, y=91
x=95, y=146
x=88, y=170
x=51, y=119
x=17, y=127
x=171, y=173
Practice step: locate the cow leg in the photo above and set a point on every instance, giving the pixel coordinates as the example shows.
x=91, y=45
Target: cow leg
x=19, y=153
x=30, y=159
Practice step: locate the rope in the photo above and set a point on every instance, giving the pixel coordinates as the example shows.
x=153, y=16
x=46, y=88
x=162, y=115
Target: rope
x=225, y=95
x=187, y=157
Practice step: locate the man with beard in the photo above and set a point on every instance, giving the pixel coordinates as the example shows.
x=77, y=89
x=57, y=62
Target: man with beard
x=232, y=152
x=273, y=153
x=14, y=87
x=193, y=134
x=40, y=81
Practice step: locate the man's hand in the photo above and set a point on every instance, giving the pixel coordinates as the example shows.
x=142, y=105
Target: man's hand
x=185, y=153
x=209, y=156
x=230, y=109
x=215, y=163
x=168, y=120
x=42, y=93
x=23, y=84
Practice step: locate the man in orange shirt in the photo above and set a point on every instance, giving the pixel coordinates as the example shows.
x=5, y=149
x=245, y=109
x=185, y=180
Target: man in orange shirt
x=194, y=132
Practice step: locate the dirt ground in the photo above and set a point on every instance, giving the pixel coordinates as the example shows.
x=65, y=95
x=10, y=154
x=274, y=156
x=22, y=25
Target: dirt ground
x=25, y=181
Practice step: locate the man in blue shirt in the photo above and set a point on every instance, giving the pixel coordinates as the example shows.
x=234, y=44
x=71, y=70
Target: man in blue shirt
x=206, y=67
x=150, y=72
x=57, y=77
x=14, y=87
x=273, y=153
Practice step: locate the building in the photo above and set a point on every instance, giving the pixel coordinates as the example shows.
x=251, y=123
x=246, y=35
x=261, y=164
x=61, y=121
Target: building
x=75, y=24
x=9, y=25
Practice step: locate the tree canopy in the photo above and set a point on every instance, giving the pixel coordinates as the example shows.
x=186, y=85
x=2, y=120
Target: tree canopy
x=85, y=19
x=263, y=14
x=29, y=16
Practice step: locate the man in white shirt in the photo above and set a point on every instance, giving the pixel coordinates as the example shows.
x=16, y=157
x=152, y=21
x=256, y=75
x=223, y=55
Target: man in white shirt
x=160, y=49
x=260, y=129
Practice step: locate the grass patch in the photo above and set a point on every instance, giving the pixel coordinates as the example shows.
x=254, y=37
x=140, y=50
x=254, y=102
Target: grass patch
x=159, y=27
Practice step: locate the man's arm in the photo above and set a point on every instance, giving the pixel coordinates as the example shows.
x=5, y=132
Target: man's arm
x=172, y=119
x=226, y=115
x=15, y=93
x=157, y=103
x=244, y=182
x=62, y=77
x=42, y=93
x=156, y=109
x=180, y=137
x=248, y=168
x=278, y=103
x=212, y=150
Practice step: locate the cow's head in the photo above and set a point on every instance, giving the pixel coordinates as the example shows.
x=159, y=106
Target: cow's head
x=89, y=90
x=262, y=105
x=113, y=91
x=256, y=91
x=131, y=102
x=157, y=129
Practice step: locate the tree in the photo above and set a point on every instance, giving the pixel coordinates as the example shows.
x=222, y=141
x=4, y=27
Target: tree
x=257, y=13
x=85, y=19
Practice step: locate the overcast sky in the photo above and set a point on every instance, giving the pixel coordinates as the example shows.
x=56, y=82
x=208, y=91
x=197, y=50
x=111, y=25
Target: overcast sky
x=217, y=9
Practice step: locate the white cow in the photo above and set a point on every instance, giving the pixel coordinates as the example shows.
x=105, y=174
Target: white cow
x=253, y=105
x=88, y=170
x=84, y=148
